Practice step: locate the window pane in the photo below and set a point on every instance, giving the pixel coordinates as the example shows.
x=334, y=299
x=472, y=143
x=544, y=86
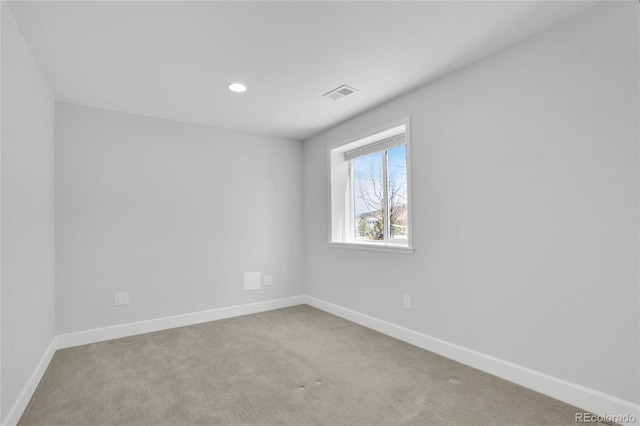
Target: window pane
x=368, y=194
x=397, y=178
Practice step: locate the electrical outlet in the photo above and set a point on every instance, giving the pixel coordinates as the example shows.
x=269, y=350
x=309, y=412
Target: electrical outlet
x=120, y=299
x=268, y=280
x=407, y=302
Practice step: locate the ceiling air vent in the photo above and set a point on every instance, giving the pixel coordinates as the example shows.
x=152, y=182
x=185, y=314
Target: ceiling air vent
x=340, y=92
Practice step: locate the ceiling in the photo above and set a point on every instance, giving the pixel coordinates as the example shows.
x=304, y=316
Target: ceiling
x=175, y=59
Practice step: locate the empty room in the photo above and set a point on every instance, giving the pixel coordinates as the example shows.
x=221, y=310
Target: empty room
x=319, y=212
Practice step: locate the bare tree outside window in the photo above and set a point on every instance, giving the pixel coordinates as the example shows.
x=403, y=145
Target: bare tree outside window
x=369, y=192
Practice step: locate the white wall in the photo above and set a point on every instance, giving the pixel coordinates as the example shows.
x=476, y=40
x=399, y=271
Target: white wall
x=27, y=288
x=525, y=180
x=172, y=213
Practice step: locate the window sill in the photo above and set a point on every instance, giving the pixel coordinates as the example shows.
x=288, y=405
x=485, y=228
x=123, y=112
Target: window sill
x=383, y=248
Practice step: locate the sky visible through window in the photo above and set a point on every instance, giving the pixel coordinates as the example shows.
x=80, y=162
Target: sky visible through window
x=368, y=194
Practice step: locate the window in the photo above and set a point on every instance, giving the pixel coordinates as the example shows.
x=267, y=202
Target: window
x=370, y=196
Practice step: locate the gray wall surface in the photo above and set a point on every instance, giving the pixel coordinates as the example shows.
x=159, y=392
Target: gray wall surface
x=525, y=204
x=173, y=213
x=27, y=291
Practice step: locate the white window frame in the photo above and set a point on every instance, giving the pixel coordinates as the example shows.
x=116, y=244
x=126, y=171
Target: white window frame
x=341, y=218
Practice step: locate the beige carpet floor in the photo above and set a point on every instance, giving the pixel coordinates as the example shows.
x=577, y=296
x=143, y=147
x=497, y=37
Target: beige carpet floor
x=293, y=366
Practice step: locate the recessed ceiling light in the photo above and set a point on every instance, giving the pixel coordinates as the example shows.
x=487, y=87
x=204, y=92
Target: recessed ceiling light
x=237, y=87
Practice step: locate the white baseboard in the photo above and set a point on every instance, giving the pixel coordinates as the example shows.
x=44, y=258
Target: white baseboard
x=13, y=416
x=158, y=324
x=585, y=398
